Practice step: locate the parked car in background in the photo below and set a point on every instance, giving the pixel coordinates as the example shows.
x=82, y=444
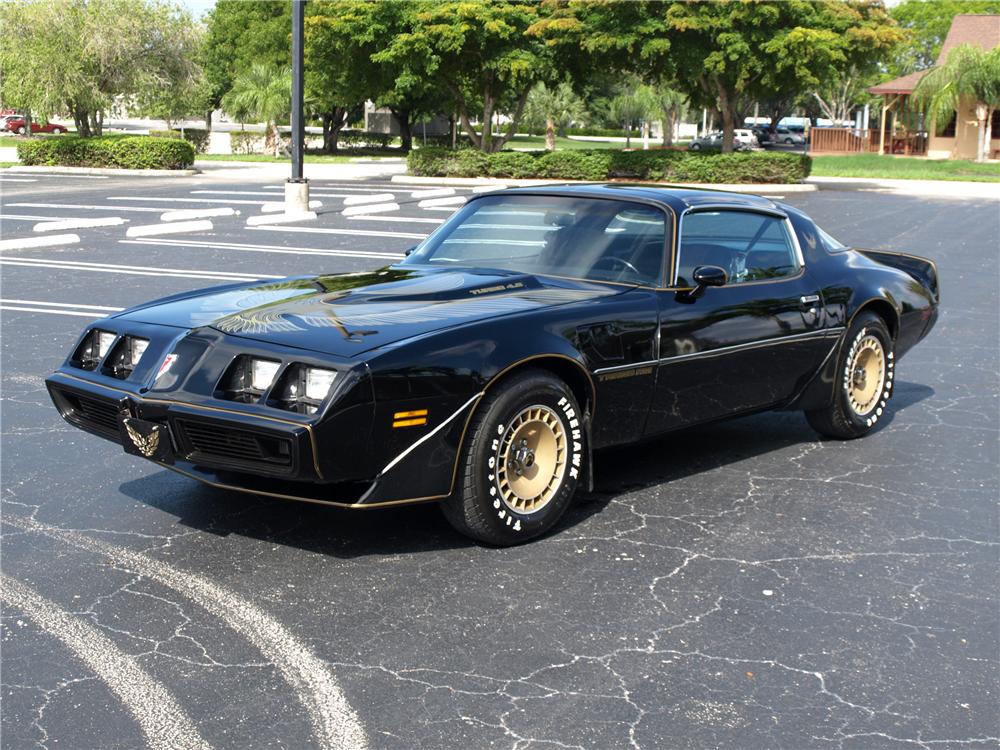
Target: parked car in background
x=17, y=124
x=743, y=140
x=788, y=137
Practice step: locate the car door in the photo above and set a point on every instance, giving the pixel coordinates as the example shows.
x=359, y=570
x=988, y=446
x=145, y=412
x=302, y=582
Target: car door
x=747, y=345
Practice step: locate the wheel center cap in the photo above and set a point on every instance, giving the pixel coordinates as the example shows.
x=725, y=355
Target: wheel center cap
x=860, y=377
x=522, y=458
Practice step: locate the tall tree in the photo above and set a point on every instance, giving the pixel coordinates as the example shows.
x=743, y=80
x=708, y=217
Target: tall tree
x=970, y=74
x=262, y=92
x=83, y=55
x=555, y=108
x=240, y=33
x=928, y=24
x=484, y=53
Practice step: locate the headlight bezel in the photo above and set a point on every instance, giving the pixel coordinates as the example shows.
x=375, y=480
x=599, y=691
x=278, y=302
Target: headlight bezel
x=292, y=390
x=93, y=348
x=125, y=356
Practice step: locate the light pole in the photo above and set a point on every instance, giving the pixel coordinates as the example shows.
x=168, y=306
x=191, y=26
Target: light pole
x=297, y=187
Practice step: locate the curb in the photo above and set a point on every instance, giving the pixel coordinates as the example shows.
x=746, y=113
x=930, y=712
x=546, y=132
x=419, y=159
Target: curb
x=756, y=188
x=107, y=171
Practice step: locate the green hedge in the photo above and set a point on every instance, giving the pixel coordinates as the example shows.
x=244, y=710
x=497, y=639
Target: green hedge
x=118, y=151
x=199, y=138
x=603, y=164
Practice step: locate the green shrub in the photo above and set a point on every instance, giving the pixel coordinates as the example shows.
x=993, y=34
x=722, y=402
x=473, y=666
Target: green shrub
x=199, y=138
x=603, y=132
x=243, y=142
x=354, y=138
x=663, y=165
x=117, y=151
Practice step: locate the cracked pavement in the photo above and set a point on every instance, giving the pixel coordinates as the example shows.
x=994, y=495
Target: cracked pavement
x=743, y=584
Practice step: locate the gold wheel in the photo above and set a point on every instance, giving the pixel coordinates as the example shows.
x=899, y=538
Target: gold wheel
x=532, y=459
x=866, y=375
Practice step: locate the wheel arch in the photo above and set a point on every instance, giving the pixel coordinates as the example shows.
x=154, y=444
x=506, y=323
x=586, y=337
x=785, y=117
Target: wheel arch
x=884, y=309
x=567, y=369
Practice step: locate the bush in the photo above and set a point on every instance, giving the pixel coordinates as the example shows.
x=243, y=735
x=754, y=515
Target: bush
x=199, y=138
x=117, y=151
x=354, y=138
x=604, y=132
x=243, y=142
x=604, y=164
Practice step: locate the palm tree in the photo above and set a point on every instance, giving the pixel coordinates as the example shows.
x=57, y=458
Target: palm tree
x=264, y=93
x=629, y=109
x=557, y=107
x=673, y=106
x=969, y=74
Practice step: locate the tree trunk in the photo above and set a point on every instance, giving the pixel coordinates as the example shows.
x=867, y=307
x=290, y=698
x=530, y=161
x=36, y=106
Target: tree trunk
x=270, y=139
x=668, y=126
x=97, y=122
x=208, y=121
x=727, y=113
x=981, y=119
x=405, y=130
x=514, y=120
x=486, y=139
x=550, y=134
x=333, y=123
x=628, y=133
x=645, y=135
x=989, y=134
x=81, y=118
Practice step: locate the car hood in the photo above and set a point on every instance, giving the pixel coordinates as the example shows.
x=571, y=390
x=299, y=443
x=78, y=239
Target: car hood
x=348, y=314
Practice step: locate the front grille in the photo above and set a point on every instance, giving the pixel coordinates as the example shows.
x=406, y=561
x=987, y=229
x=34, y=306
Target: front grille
x=213, y=444
x=92, y=413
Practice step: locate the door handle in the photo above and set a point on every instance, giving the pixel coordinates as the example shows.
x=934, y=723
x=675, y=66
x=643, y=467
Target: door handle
x=809, y=299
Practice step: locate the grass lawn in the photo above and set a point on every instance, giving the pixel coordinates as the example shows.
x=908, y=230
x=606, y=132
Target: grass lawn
x=903, y=168
x=5, y=164
x=9, y=140
x=310, y=158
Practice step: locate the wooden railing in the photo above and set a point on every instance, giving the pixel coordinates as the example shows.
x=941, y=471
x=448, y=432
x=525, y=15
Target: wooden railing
x=852, y=141
x=842, y=140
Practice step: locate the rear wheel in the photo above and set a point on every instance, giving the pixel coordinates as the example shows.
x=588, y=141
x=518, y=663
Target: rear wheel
x=58, y=131
x=521, y=463
x=864, y=382
x=696, y=147
x=21, y=130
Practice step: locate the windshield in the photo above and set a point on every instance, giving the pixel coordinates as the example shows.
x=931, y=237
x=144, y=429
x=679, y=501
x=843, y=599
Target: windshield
x=585, y=238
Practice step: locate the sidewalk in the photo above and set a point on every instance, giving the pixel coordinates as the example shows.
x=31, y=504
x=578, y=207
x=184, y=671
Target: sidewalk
x=944, y=189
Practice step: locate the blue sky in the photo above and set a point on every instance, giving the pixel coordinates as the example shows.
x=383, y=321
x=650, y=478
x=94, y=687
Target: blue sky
x=198, y=7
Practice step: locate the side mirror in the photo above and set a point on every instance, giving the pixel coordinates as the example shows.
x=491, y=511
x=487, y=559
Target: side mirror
x=704, y=277
x=409, y=250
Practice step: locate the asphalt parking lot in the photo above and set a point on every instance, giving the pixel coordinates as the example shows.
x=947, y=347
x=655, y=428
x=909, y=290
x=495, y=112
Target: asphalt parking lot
x=745, y=585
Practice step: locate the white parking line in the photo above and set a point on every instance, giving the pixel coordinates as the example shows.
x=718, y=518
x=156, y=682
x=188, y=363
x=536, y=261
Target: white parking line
x=147, y=230
x=488, y=188
x=370, y=209
x=87, y=207
x=273, y=218
x=182, y=273
x=161, y=719
x=400, y=219
x=354, y=200
x=280, y=206
x=16, y=179
x=349, y=232
x=315, y=185
x=105, y=221
x=335, y=724
x=73, y=306
x=278, y=249
x=197, y=213
x=74, y=313
x=21, y=243
x=269, y=195
x=32, y=217
x=148, y=199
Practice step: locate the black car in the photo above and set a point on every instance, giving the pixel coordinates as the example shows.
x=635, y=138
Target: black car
x=533, y=328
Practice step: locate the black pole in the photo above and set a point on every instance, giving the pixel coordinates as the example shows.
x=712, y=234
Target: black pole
x=298, y=125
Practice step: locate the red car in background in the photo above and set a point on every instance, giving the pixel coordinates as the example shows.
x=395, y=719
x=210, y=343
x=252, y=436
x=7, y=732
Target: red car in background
x=17, y=124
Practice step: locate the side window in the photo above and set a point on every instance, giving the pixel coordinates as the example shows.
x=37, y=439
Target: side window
x=748, y=246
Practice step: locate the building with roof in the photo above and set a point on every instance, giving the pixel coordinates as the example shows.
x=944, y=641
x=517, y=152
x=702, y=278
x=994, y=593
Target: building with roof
x=957, y=138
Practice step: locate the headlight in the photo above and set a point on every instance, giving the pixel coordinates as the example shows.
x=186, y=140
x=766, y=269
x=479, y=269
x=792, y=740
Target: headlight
x=93, y=348
x=125, y=357
x=303, y=389
x=248, y=378
x=262, y=372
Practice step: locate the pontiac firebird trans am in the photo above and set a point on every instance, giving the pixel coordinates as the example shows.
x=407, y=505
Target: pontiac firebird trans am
x=534, y=327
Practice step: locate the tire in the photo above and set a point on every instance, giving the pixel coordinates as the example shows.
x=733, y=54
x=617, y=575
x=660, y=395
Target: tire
x=58, y=131
x=865, y=370
x=21, y=130
x=789, y=141
x=510, y=492
x=695, y=147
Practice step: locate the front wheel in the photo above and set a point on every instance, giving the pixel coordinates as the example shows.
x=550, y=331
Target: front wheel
x=521, y=463
x=58, y=131
x=21, y=130
x=864, y=382
x=696, y=147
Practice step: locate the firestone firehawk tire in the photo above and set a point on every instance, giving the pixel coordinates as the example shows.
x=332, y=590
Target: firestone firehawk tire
x=864, y=382
x=522, y=461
